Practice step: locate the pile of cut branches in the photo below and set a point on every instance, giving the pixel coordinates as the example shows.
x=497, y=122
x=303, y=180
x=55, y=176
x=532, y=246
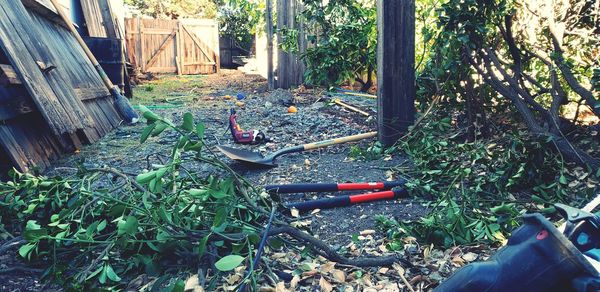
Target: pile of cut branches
x=101, y=228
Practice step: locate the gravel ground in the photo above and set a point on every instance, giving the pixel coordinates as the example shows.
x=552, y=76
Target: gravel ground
x=315, y=120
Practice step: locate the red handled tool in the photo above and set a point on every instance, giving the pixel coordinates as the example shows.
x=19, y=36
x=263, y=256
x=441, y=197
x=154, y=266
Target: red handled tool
x=332, y=187
x=347, y=200
x=244, y=137
x=386, y=191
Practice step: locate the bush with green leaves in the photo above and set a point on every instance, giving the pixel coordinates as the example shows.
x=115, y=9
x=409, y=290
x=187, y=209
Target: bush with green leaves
x=476, y=190
x=240, y=21
x=343, y=42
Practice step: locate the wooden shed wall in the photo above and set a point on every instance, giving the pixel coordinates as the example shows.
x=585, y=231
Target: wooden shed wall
x=27, y=138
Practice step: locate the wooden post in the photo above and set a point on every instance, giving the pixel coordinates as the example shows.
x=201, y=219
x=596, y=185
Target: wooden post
x=269, y=28
x=142, y=60
x=179, y=49
x=395, y=68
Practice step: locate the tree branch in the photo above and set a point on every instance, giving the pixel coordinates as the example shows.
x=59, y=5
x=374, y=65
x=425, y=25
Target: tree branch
x=569, y=76
x=326, y=251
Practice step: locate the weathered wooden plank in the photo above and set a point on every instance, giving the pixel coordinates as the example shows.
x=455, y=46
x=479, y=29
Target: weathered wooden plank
x=395, y=68
x=108, y=19
x=158, y=31
x=29, y=73
x=91, y=93
x=55, y=74
x=290, y=69
x=199, y=63
x=45, y=9
x=8, y=75
x=13, y=149
x=93, y=18
x=142, y=59
x=269, y=30
x=179, y=55
x=161, y=69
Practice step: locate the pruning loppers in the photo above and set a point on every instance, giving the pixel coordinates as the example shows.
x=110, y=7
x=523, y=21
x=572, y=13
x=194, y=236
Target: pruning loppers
x=244, y=137
x=384, y=191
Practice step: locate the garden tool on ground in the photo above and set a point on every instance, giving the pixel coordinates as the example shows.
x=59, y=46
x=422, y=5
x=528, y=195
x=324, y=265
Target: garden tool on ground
x=350, y=107
x=538, y=257
x=244, y=137
x=258, y=160
x=332, y=187
x=385, y=191
x=347, y=200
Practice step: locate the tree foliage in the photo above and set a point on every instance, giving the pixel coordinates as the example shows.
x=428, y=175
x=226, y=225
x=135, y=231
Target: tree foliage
x=342, y=37
x=240, y=21
x=501, y=55
x=175, y=9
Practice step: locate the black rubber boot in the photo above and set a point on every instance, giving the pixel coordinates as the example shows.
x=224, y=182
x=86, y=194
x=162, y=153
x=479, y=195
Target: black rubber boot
x=537, y=258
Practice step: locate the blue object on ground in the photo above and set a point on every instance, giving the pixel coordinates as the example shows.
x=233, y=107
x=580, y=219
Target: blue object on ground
x=240, y=96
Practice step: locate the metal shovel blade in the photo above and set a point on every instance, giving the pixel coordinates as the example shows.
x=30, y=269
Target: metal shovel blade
x=247, y=156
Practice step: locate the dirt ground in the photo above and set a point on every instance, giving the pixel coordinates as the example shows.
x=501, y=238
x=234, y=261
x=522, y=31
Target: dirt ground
x=206, y=98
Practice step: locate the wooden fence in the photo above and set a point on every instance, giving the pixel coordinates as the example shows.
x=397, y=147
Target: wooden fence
x=188, y=46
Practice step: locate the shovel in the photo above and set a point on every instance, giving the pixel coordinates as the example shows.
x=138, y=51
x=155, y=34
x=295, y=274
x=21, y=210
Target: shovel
x=257, y=159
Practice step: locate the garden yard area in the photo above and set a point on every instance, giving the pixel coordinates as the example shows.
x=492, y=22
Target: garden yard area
x=414, y=138
x=351, y=231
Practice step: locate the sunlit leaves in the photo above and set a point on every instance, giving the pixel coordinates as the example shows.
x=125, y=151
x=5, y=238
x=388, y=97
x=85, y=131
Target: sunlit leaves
x=229, y=262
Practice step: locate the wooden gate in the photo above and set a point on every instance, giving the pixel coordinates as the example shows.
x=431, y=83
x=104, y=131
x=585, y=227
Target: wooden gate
x=188, y=46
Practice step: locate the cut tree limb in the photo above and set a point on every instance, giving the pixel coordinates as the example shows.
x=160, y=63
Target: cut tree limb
x=326, y=251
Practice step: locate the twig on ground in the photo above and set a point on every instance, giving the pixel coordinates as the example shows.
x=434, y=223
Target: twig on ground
x=119, y=174
x=401, y=271
x=11, y=243
x=20, y=269
x=332, y=255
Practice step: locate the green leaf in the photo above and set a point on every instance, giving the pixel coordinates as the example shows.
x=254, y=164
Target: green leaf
x=159, y=128
x=188, y=122
x=110, y=273
x=229, y=262
x=218, y=194
x=101, y=226
x=146, y=133
x=197, y=193
x=145, y=177
x=200, y=130
x=102, y=277
x=220, y=217
x=25, y=250
x=96, y=272
x=202, y=245
x=148, y=114
x=127, y=226
x=563, y=180
x=164, y=215
x=33, y=231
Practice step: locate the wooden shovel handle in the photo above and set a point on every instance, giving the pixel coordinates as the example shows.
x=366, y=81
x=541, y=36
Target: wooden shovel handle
x=341, y=140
